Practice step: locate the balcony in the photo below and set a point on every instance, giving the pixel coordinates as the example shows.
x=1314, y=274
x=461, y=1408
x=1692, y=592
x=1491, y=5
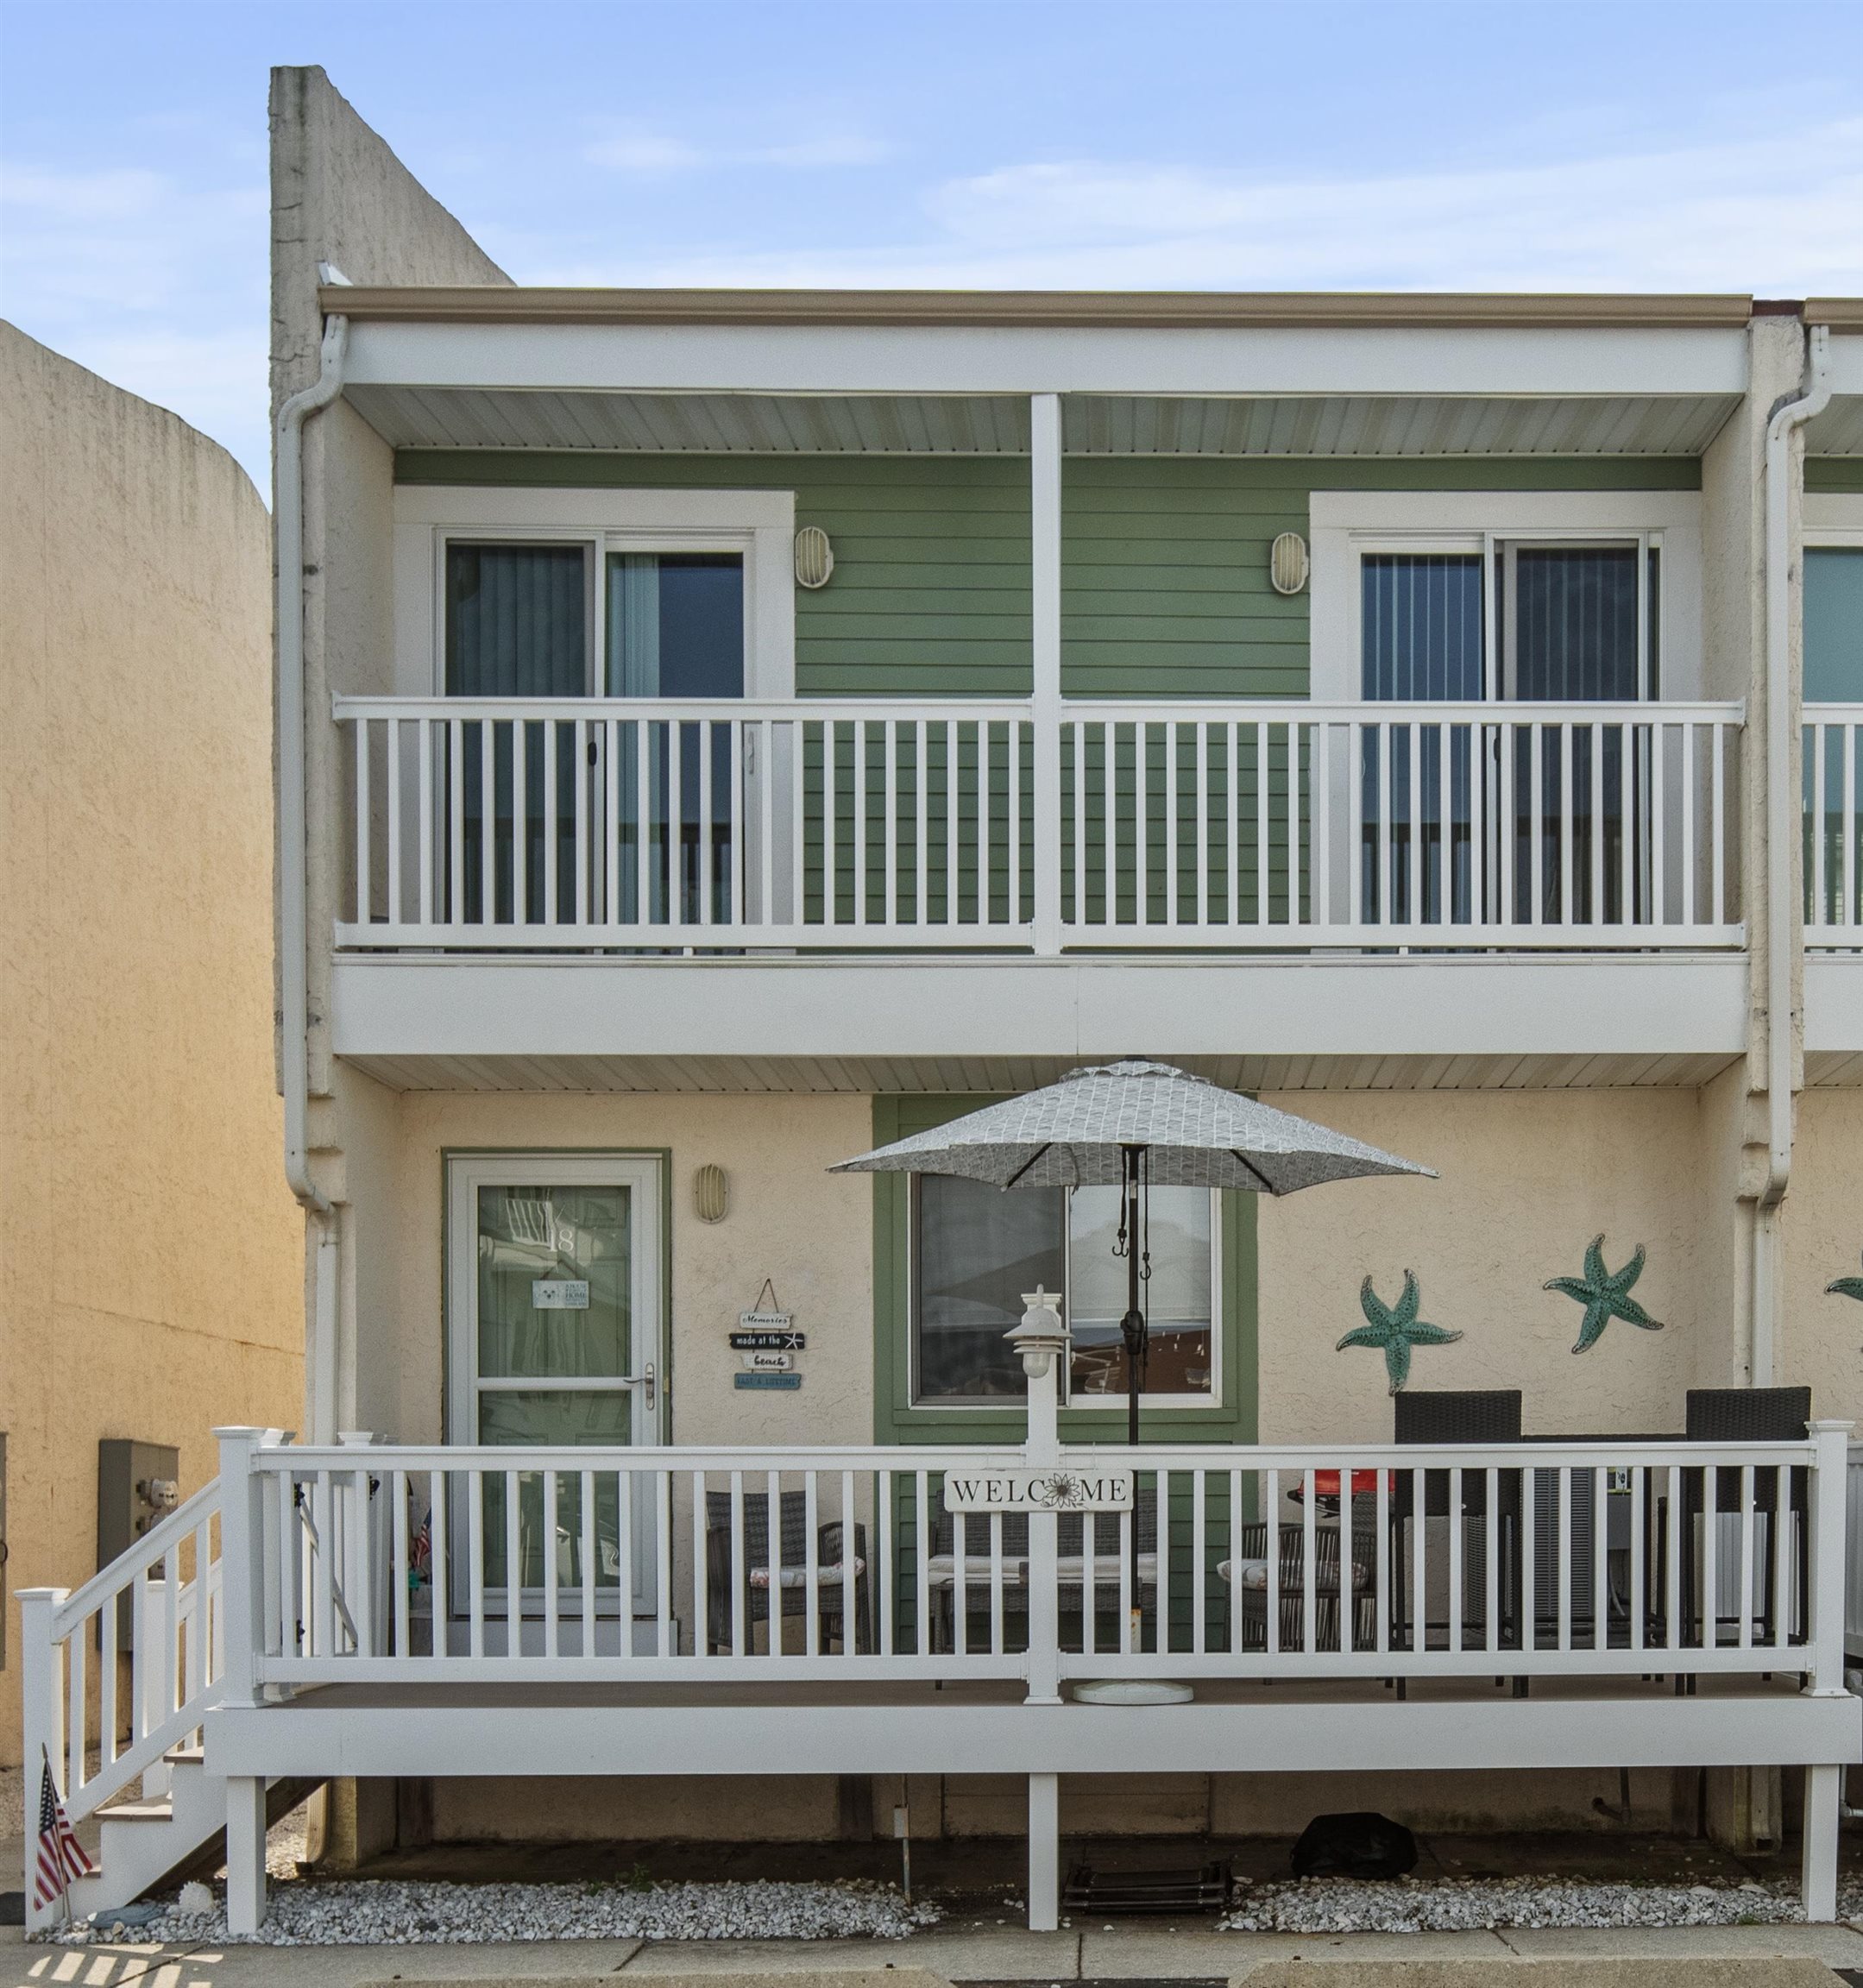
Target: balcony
x=597, y=825
x=1542, y=881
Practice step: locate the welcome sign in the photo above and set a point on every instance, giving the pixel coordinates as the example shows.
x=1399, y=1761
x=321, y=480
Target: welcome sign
x=1038, y=1491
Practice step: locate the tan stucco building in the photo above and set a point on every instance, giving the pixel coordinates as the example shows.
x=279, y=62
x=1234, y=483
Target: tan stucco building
x=150, y=1258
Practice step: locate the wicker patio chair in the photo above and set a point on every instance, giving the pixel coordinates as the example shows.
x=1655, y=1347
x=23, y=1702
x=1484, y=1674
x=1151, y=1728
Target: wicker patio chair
x=752, y=1589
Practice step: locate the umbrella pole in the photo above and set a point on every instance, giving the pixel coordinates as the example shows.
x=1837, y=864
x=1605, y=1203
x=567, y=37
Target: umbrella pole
x=1132, y=1330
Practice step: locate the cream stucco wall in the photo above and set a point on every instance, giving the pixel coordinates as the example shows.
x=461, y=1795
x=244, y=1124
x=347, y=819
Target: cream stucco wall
x=1527, y=1179
x=808, y=1232
x=1821, y=1338
x=150, y=1258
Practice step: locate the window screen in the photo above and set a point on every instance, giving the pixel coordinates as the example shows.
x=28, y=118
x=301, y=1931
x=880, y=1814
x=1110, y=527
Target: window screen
x=676, y=625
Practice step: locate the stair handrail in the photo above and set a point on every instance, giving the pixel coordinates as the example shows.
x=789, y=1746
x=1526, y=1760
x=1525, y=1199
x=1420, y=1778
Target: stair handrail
x=110, y=1582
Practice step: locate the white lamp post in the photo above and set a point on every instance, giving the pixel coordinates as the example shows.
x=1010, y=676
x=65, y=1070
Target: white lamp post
x=1041, y=1339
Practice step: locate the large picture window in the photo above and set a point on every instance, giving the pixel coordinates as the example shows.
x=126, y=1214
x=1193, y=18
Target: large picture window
x=975, y=1250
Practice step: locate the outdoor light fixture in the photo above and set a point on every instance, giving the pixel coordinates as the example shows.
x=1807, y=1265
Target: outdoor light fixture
x=1041, y=1335
x=1288, y=563
x=814, y=558
x=710, y=1193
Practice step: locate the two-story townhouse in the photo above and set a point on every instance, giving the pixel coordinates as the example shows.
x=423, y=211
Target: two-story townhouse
x=723, y=732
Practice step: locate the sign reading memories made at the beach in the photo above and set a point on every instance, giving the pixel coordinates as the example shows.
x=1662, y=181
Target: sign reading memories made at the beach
x=1061, y=1490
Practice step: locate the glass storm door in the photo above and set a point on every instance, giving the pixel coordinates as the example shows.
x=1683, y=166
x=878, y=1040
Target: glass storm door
x=553, y=1326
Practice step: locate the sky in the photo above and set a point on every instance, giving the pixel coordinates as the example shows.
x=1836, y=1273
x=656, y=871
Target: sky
x=1587, y=145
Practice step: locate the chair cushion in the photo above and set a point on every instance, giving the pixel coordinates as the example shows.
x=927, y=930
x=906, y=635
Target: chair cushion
x=1252, y=1575
x=941, y=1570
x=798, y=1576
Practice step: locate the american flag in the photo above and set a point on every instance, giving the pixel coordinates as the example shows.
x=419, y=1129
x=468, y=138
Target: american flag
x=61, y=1857
x=420, y=1553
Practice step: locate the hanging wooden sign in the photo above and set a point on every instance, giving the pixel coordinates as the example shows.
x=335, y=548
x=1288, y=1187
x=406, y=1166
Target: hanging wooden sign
x=762, y=1338
x=763, y=1362
x=787, y=1382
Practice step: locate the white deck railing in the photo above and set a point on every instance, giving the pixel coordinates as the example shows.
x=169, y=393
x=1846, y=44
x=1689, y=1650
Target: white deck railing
x=1833, y=761
x=124, y=1669
x=396, y=1565
x=593, y=823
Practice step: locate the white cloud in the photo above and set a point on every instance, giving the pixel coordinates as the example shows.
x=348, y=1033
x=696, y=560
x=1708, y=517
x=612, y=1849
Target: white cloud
x=1772, y=215
x=158, y=286
x=653, y=155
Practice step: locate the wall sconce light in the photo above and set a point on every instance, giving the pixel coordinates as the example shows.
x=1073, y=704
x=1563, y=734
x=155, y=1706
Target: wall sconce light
x=814, y=558
x=1039, y=1335
x=1287, y=564
x=710, y=1193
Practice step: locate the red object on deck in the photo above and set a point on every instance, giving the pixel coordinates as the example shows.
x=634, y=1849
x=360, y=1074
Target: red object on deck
x=1326, y=1483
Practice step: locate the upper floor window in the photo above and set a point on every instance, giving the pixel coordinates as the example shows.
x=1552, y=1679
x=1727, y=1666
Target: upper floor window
x=666, y=594
x=975, y=1251
x=1531, y=597
x=1531, y=622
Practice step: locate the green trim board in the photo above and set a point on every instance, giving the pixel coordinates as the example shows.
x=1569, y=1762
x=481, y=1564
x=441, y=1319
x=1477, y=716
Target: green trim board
x=1835, y=475
x=895, y=1420
x=1165, y=588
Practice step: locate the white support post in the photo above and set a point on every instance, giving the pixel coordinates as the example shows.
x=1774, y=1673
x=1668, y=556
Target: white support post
x=42, y=1717
x=242, y=1578
x=1044, y=519
x=1830, y=1496
x=152, y=1674
x=1044, y=1346
x=1044, y=1853
x=245, y=1854
x=1818, y=1874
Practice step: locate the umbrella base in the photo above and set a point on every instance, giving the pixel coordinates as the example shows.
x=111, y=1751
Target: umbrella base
x=1132, y=1691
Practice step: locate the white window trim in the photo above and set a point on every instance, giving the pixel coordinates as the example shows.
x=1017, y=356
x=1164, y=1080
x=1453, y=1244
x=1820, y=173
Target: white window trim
x=759, y=524
x=1346, y=524
x=1209, y=1404
x=641, y=1173
x=1833, y=519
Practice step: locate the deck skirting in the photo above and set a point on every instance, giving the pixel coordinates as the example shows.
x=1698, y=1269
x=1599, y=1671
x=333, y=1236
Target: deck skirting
x=480, y=1739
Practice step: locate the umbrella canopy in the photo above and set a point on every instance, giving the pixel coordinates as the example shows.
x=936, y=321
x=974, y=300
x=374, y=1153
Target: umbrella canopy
x=1077, y=1133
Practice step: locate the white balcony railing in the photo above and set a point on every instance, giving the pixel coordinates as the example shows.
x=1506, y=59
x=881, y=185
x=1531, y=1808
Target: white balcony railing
x=591, y=824
x=1576, y=1560
x=1833, y=760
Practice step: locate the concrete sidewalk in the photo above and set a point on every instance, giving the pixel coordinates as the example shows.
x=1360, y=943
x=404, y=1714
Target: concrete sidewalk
x=1008, y=1954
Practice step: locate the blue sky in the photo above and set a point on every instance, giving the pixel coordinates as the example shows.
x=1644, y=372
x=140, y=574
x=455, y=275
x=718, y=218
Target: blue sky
x=989, y=142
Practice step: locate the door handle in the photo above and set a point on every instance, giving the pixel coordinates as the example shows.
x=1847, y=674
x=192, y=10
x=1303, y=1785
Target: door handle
x=647, y=1380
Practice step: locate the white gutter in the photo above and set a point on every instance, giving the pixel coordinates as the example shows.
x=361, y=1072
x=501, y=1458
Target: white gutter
x=294, y=1002
x=1782, y=838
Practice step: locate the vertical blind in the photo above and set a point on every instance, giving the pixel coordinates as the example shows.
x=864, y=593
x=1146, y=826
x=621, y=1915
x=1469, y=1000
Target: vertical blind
x=1421, y=622
x=517, y=621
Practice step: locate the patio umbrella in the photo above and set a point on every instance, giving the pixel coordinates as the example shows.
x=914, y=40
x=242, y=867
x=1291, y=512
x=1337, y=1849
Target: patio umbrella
x=1134, y=1126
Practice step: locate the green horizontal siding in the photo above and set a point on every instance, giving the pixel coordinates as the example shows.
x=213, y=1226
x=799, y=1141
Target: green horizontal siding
x=1165, y=588
x=1836, y=475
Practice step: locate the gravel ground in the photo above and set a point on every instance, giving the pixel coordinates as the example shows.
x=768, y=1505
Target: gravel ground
x=1480, y=1904
x=396, y=1913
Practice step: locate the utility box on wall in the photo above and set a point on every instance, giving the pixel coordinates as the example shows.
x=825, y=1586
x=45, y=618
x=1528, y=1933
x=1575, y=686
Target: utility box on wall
x=137, y=1485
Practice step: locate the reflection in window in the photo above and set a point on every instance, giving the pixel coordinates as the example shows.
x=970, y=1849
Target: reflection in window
x=975, y=1251
x=676, y=625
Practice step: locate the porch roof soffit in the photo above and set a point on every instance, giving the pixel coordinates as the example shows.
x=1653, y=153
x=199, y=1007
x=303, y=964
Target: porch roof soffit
x=411, y=415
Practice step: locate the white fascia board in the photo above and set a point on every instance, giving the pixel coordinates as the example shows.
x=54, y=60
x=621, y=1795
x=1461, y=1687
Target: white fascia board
x=1833, y=1003
x=309, y=1740
x=816, y=359
x=1634, y=1004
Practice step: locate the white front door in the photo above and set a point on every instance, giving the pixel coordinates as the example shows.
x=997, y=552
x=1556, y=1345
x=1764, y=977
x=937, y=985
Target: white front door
x=555, y=1303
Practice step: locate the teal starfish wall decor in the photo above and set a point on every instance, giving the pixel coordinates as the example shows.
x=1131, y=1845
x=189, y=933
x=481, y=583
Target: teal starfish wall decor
x=1845, y=1288
x=1605, y=1295
x=1393, y=1330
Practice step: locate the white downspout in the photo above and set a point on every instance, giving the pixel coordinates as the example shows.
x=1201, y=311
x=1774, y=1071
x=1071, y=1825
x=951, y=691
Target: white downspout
x=1782, y=837
x=294, y=992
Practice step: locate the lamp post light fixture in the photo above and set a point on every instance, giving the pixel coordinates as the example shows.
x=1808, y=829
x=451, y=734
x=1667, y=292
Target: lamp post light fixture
x=1040, y=1336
